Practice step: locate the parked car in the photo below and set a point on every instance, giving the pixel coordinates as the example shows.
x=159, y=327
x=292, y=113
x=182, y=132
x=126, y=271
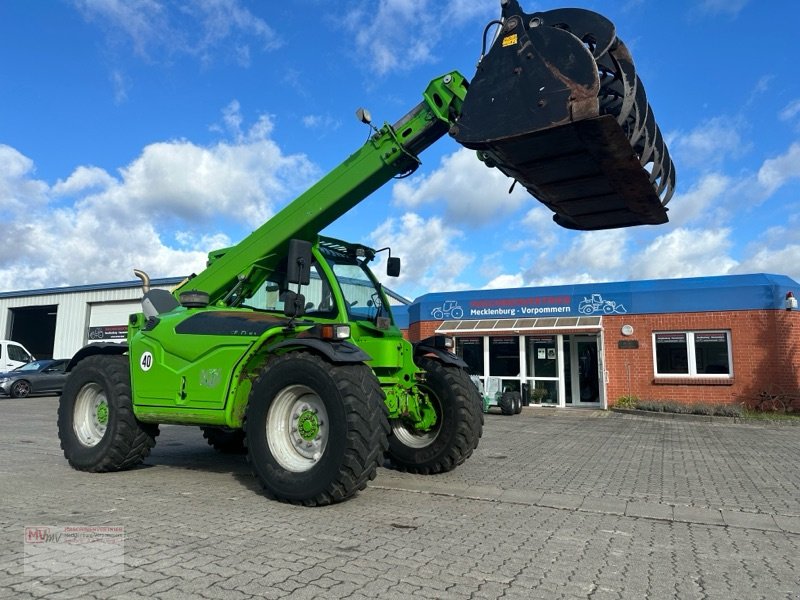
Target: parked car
x=46, y=376
x=13, y=355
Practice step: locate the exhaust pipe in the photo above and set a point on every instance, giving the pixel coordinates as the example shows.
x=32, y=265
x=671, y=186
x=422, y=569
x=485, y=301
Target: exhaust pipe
x=145, y=280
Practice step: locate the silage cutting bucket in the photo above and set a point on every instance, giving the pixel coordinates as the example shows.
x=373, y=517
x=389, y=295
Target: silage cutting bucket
x=556, y=104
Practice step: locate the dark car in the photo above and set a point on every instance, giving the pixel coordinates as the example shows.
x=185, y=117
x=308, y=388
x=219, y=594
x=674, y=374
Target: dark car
x=45, y=376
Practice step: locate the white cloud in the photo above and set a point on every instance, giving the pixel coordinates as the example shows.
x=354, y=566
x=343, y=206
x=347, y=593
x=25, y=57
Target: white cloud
x=399, y=35
x=708, y=144
x=776, y=172
x=591, y=256
x=540, y=229
x=469, y=191
x=20, y=193
x=784, y=260
x=790, y=111
x=720, y=7
x=322, y=124
x=163, y=213
x=159, y=32
x=431, y=260
x=704, y=198
x=505, y=281
x=684, y=253
x=83, y=179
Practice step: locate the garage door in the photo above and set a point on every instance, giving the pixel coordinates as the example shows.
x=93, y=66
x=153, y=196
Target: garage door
x=108, y=322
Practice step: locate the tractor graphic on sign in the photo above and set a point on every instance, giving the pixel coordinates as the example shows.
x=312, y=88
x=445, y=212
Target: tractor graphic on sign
x=596, y=304
x=448, y=310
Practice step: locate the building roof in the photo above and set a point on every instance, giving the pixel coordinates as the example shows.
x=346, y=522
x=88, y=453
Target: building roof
x=91, y=287
x=759, y=291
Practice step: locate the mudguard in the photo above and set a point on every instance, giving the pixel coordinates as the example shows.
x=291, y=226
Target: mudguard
x=336, y=352
x=98, y=348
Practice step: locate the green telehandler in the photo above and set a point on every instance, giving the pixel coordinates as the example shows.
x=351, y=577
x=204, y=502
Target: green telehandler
x=285, y=347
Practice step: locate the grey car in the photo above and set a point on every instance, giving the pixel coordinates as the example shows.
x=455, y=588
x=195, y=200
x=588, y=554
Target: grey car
x=46, y=376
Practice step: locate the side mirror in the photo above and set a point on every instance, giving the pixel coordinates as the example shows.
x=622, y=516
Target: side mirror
x=293, y=304
x=298, y=266
x=393, y=266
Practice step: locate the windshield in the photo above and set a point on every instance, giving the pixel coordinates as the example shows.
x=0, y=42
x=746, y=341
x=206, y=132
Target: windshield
x=362, y=297
x=31, y=366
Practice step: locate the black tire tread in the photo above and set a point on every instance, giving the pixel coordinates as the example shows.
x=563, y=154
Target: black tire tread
x=506, y=403
x=226, y=441
x=469, y=426
x=134, y=439
x=367, y=417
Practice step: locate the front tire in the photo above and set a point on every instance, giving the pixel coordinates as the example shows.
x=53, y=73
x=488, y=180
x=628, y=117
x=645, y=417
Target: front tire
x=315, y=431
x=96, y=424
x=20, y=389
x=459, y=423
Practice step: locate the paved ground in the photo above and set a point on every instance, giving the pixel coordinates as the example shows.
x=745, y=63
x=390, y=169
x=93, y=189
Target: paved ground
x=552, y=505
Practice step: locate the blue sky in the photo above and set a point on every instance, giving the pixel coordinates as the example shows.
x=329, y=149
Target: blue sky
x=144, y=133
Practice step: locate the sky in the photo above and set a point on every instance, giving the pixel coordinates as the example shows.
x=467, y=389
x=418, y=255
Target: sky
x=145, y=133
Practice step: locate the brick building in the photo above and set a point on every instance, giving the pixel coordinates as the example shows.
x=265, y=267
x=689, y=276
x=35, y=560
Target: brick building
x=712, y=340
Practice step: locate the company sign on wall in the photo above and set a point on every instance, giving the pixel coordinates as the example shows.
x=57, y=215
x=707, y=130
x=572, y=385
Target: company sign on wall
x=530, y=306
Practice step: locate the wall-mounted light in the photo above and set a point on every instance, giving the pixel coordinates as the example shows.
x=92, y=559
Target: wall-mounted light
x=791, y=301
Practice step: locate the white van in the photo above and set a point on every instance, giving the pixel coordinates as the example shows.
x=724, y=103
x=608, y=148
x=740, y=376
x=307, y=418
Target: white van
x=13, y=355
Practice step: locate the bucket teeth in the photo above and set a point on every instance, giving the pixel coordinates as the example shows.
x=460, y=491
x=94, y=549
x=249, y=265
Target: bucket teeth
x=528, y=109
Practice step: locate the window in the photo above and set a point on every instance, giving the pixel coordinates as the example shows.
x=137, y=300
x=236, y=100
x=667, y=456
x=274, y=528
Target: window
x=319, y=299
x=17, y=353
x=470, y=349
x=504, y=356
x=692, y=353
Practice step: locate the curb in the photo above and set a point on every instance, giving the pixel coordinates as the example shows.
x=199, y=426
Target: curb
x=649, y=414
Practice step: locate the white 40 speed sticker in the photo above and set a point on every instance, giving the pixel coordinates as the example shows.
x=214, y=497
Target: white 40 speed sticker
x=146, y=361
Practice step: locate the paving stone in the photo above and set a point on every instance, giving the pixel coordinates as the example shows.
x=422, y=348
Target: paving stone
x=568, y=505
x=746, y=520
x=790, y=524
x=693, y=514
x=649, y=510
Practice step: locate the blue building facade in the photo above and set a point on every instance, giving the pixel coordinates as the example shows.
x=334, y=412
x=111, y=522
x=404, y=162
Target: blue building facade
x=589, y=344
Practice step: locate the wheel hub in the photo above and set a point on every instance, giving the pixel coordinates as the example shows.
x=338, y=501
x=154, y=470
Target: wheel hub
x=90, y=415
x=102, y=413
x=308, y=425
x=297, y=428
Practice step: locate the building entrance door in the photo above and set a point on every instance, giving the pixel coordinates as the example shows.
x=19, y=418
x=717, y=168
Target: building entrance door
x=582, y=371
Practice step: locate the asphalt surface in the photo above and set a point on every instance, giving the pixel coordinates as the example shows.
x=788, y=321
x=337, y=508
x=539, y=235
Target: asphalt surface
x=553, y=504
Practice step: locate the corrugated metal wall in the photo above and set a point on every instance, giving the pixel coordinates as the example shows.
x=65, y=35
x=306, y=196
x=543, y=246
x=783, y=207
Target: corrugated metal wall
x=74, y=309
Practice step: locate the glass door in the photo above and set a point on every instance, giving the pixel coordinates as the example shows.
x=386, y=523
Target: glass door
x=582, y=372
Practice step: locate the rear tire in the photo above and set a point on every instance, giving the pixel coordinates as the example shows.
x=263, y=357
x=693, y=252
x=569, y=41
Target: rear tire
x=458, y=430
x=227, y=441
x=517, y=403
x=96, y=424
x=315, y=431
x=507, y=404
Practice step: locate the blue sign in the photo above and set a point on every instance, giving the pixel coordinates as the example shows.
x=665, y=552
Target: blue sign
x=659, y=296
